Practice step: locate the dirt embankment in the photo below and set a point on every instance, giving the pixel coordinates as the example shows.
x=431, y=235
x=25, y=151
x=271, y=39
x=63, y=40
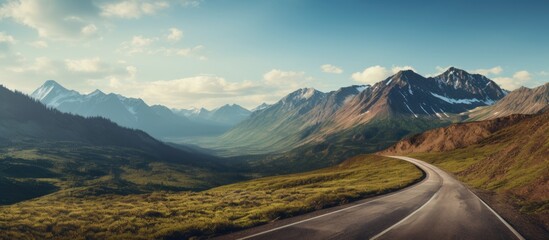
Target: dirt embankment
x=452, y=137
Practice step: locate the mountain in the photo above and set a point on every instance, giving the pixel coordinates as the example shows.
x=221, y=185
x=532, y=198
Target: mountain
x=376, y=116
x=226, y=115
x=156, y=120
x=455, y=136
x=44, y=150
x=410, y=94
x=520, y=101
x=261, y=107
x=506, y=156
x=288, y=121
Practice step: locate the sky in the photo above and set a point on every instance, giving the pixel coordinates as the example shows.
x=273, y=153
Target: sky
x=207, y=53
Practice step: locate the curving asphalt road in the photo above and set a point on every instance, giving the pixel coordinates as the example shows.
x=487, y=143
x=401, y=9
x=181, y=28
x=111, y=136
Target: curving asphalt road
x=439, y=207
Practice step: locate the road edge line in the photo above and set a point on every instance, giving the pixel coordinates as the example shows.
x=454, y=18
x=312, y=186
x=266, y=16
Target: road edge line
x=404, y=219
x=513, y=230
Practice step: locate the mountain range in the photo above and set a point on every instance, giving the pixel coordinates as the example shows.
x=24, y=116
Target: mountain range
x=44, y=150
x=157, y=120
x=407, y=102
x=226, y=115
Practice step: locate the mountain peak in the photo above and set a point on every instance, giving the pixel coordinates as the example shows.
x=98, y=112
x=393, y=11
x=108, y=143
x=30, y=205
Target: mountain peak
x=454, y=70
x=96, y=92
x=51, y=83
x=261, y=107
x=407, y=73
x=230, y=106
x=46, y=88
x=306, y=93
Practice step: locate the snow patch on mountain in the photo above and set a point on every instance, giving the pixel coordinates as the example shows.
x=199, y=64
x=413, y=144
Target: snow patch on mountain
x=456, y=101
x=362, y=88
x=307, y=93
x=41, y=93
x=410, y=109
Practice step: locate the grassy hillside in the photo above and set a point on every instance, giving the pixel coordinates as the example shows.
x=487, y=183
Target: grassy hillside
x=511, y=162
x=30, y=170
x=207, y=213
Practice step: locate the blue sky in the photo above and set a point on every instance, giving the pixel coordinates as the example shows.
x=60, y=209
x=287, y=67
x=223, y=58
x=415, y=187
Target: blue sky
x=185, y=53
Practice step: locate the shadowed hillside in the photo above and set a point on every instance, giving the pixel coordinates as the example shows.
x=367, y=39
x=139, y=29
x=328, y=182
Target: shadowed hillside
x=43, y=150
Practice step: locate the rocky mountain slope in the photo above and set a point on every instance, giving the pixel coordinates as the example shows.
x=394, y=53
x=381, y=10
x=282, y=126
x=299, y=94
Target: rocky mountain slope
x=288, y=121
x=520, y=101
x=407, y=102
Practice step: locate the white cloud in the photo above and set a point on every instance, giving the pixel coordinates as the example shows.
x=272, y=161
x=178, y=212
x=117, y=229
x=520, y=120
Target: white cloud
x=280, y=77
x=194, y=91
x=212, y=91
x=132, y=71
x=543, y=73
x=132, y=8
x=6, y=41
x=490, y=71
x=522, y=75
x=184, y=52
x=396, y=69
x=152, y=46
x=39, y=44
x=6, y=38
x=39, y=64
x=87, y=65
x=520, y=78
x=89, y=30
x=174, y=35
x=328, y=68
x=54, y=19
x=140, y=41
x=439, y=70
x=373, y=74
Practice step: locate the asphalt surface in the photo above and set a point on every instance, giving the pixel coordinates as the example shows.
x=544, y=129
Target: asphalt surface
x=439, y=207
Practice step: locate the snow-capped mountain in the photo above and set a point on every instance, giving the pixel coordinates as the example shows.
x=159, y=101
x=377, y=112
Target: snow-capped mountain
x=411, y=102
x=261, y=107
x=226, y=115
x=156, y=120
x=408, y=93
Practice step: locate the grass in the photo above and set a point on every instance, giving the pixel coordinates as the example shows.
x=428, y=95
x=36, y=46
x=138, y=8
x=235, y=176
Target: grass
x=163, y=215
x=512, y=170
x=28, y=172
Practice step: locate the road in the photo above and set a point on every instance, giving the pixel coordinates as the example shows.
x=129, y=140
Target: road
x=439, y=207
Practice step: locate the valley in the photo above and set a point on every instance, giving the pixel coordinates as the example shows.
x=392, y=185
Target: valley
x=307, y=152
x=274, y=119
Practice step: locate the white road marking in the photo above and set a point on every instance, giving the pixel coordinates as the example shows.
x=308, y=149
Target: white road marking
x=323, y=215
x=406, y=218
x=417, y=163
x=517, y=234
